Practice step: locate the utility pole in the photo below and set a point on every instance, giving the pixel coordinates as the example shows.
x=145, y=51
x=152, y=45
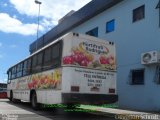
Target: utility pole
x=39, y=3
x=158, y=7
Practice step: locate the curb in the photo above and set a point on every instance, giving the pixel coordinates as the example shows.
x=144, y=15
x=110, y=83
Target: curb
x=121, y=114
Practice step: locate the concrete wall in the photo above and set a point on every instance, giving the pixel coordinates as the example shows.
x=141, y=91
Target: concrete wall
x=131, y=40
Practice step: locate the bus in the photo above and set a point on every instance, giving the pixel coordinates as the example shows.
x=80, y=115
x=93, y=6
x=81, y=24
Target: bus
x=3, y=90
x=73, y=69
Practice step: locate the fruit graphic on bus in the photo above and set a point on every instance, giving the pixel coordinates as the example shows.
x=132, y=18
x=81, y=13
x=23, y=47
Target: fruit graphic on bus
x=68, y=60
x=103, y=59
x=84, y=63
x=30, y=85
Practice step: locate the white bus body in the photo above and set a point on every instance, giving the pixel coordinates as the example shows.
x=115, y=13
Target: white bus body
x=86, y=74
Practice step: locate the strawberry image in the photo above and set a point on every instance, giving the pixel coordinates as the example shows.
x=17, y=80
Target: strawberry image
x=68, y=60
x=81, y=59
x=84, y=63
x=78, y=57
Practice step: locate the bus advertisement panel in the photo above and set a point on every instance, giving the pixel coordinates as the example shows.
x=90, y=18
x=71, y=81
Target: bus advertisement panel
x=89, y=53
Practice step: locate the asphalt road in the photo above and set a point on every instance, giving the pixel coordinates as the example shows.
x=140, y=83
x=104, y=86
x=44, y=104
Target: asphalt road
x=23, y=111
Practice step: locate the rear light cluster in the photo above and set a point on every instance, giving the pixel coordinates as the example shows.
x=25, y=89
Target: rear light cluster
x=75, y=88
x=112, y=90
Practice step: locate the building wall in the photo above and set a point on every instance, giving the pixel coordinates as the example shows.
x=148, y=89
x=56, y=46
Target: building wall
x=131, y=40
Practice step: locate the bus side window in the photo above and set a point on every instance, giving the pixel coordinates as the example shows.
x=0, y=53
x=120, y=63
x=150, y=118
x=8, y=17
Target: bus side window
x=56, y=54
x=9, y=76
x=34, y=63
x=25, y=68
x=55, y=51
x=39, y=62
x=19, y=70
x=47, y=58
x=29, y=66
x=13, y=76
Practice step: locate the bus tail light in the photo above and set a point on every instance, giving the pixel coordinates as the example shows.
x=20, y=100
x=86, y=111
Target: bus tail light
x=111, y=90
x=75, y=88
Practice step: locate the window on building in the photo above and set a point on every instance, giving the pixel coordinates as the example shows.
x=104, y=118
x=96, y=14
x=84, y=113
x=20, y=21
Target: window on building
x=157, y=75
x=137, y=77
x=93, y=32
x=138, y=13
x=110, y=26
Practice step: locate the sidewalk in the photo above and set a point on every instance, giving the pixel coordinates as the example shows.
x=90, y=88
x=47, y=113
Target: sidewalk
x=122, y=114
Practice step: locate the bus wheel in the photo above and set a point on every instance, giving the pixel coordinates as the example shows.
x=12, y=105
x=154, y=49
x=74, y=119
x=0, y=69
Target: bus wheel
x=34, y=103
x=11, y=96
x=13, y=99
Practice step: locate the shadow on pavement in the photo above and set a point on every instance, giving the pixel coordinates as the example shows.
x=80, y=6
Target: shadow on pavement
x=54, y=113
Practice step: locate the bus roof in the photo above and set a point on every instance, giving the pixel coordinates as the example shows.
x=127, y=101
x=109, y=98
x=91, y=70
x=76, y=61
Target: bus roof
x=58, y=39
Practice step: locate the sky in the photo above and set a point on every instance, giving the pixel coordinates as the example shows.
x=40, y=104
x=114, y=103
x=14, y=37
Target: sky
x=18, y=26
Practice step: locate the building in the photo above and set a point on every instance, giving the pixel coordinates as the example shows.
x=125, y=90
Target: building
x=134, y=26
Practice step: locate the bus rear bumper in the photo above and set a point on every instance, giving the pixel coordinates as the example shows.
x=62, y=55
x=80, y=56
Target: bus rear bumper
x=77, y=98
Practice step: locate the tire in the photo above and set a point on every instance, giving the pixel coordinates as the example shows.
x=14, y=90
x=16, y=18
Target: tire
x=13, y=100
x=11, y=97
x=34, y=103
